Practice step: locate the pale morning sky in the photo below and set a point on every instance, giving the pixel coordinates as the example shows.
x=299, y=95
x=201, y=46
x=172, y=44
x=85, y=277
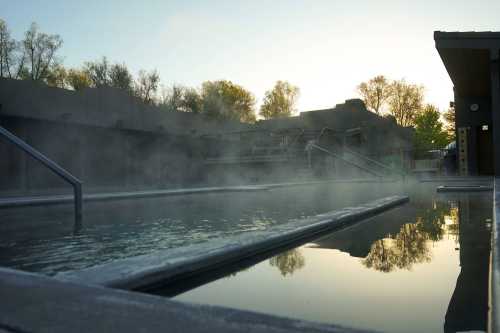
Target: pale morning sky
x=324, y=47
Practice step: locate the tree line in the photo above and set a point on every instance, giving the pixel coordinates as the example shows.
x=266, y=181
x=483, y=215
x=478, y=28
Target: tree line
x=404, y=103
x=35, y=57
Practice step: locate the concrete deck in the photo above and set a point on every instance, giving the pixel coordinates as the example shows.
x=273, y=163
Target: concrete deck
x=33, y=303
x=170, y=266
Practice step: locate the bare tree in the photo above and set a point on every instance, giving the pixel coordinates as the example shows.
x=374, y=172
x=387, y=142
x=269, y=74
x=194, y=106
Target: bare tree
x=180, y=98
x=98, y=72
x=405, y=102
x=40, y=49
x=375, y=93
x=12, y=57
x=146, y=86
x=120, y=77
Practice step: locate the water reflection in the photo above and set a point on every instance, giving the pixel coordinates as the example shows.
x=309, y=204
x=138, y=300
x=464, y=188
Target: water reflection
x=288, y=262
x=402, y=239
x=426, y=261
x=468, y=307
x=411, y=244
x=409, y=247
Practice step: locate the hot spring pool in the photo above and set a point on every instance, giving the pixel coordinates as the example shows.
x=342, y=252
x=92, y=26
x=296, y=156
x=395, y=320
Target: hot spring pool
x=43, y=239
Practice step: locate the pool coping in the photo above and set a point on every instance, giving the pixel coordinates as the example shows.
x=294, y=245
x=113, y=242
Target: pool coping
x=23, y=201
x=160, y=268
x=42, y=304
x=464, y=188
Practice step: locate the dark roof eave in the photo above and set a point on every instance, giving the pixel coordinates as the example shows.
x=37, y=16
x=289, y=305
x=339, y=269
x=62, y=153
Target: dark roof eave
x=468, y=40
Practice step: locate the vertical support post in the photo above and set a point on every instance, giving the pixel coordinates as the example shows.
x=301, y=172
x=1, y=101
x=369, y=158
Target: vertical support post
x=52, y=166
x=77, y=192
x=495, y=106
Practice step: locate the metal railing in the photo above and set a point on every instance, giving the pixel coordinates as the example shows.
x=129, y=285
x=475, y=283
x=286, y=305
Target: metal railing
x=324, y=150
x=370, y=160
x=53, y=166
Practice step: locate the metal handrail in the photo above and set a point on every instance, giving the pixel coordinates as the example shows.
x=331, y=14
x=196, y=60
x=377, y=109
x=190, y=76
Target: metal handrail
x=53, y=166
x=323, y=130
x=366, y=158
x=312, y=145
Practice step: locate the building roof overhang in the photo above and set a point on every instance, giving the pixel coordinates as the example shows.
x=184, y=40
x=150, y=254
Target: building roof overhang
x=467, y=57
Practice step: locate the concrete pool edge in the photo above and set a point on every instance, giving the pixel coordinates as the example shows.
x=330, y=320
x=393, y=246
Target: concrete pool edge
x=466, y=188
x=162, y=267
x=43, y=304
x=23, y=201
x=494, y=312
x=68, y=199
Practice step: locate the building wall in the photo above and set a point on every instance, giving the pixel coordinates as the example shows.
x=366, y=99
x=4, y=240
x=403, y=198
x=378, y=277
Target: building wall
x=472, y=120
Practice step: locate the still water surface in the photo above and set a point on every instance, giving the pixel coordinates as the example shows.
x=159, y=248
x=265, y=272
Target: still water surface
x=43, y=239
x=422, y=267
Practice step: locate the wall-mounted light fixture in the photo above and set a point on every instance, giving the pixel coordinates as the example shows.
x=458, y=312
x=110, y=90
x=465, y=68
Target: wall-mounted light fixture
x=474, y=107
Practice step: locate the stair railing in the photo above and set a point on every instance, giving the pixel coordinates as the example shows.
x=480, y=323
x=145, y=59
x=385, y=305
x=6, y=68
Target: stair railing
x=370, y=160
x=52, y=166
x=324, y=150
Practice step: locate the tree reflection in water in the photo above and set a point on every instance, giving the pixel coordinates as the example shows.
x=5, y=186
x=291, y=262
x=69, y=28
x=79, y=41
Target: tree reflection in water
x=411, y=244
x=288, y=262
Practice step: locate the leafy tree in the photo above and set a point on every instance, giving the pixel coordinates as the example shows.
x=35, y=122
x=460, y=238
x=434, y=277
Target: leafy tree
x=120, y=77
x=429, y=132
x=146, y=86
x=12, y=57
x=179, y=98
x=225, y=100
x=40, y=50
x=78, y=79
x=449, y=117
x=375, y=93
x=57, y=77
x=405, y=102
x=280, y=101
x=288, y=262
x=98, y=72
x=191, y=101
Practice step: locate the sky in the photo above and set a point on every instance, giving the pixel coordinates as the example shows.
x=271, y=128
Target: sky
x=325, y=47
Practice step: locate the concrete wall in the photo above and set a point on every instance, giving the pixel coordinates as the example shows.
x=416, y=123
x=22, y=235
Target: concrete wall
x=102, y=107
x=104, y=136
x=110, y=139
x=102, y=158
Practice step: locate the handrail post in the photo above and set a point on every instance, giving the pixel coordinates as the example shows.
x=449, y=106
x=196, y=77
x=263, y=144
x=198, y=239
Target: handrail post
x=52, y=166
x=77, y=192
